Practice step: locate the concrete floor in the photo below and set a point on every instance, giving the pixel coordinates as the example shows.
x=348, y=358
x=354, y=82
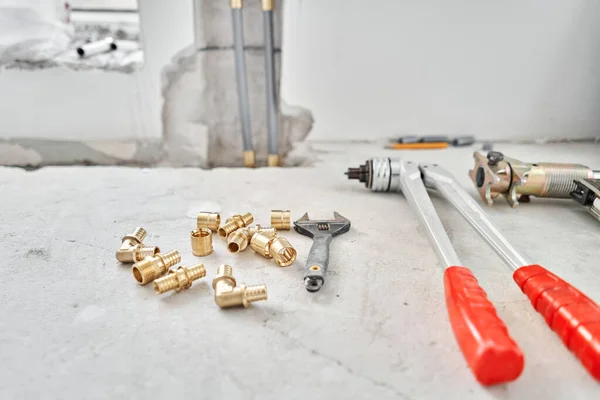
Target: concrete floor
x=74, y=324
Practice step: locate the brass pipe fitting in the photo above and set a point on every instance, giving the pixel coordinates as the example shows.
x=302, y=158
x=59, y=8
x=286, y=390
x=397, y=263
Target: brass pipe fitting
x=273, y=160
x=234, y=223
x=228, y=294
x=268, y=5
x=249, y=157
x=179, y=279
x=282, y=252
x=236, y=3
x=132, y=249
x=150, y=268
x=239, y=239
x=261, y=243
x=201, y=242
x=208, y=220
x=280, y=219
x=495, y=175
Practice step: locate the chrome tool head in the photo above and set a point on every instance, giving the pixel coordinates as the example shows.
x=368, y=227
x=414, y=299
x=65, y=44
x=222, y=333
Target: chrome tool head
x=310, y=228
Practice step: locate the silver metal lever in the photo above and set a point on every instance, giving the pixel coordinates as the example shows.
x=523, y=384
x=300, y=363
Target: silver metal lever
x=445, y=184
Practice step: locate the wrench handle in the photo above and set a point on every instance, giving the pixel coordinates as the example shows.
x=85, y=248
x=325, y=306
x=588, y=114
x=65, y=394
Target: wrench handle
x=571, y=314
x=491, y=353
x=317, y=262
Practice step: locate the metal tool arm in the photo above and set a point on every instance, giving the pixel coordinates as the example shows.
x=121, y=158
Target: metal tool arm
x=444, y=183
x=491, y=353
x=570, y=313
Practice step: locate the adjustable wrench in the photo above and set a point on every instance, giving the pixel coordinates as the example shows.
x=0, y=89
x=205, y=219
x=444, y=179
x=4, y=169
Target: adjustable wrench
x=569, y=312
x=322, y=232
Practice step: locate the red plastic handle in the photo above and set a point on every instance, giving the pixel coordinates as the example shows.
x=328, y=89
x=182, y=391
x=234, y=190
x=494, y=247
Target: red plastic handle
x=570, y=313
x=491, y=353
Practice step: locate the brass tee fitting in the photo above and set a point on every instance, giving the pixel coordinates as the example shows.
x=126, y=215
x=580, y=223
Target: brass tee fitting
x=179, y=279
x=132, y=249
x=201, y=242
x=238, y=240
x=234, y=223
x=228, y=294
x=150, y=268
x=282, y=252
x=208, y=220
x=280, y=219
x=261, y=243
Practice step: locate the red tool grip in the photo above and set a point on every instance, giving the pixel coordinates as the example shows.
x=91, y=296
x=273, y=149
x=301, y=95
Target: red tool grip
x=491, y=353
x=570, y=313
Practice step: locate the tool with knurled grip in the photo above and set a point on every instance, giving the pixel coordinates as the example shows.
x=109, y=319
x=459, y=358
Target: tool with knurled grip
x=483, y=338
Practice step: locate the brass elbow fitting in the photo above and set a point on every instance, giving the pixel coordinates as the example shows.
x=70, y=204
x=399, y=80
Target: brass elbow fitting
x=179, y=279
x=201, y=242
x=150, y=268
x=238, y=240
x=228, y=294
x=132, y=249
x=282, y=252
x=208, y=220
x=234, y=223
x=261, y=243
x=280, y=219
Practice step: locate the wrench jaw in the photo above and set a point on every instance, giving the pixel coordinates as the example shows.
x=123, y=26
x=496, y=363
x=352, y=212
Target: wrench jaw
x=310, y=228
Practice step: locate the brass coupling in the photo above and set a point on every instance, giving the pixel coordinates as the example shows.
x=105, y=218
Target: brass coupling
x=201, y=242
x=234, y=223
x=239, y=239
x=150, y=268
x=282, y=252
x=280, y=219
x=273, y=160
x=268, y=5
x=208, y=220
x=179, y=279
x=228, y=294
x=132, y=249
x=236, y=3
x=249, y=155
x=261, y=243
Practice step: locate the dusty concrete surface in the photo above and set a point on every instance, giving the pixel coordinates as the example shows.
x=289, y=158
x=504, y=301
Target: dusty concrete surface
x=74, y=324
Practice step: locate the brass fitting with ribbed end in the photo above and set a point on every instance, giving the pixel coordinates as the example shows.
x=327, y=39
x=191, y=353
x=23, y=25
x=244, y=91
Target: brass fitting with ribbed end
x=228, y=294
x=239, y=239
x=179, y=279
x=150, y=268
x=249, y=158
x=201, y=242
x=282, y=252
x=234, y=223
x=273, y=160
x=261, y=243
x=208, y=220
x=280, y=219
x=132, y=249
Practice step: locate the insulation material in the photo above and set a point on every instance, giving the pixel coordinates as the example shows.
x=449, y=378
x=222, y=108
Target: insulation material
x=28, y=34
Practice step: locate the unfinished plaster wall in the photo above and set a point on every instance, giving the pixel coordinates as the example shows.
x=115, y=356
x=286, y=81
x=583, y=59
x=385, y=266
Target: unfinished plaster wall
x=202, y=126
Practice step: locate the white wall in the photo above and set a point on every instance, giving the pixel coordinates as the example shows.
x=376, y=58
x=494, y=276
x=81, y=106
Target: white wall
x=495, y=69
x=61, y=104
